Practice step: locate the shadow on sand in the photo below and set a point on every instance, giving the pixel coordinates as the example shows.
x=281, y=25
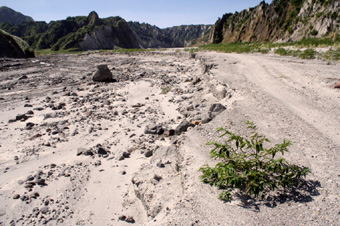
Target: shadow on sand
x=302, y=193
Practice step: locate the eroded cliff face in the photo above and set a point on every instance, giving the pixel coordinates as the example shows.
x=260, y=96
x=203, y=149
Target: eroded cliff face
x=109, y=37
x=150, y=36
x=282, y=20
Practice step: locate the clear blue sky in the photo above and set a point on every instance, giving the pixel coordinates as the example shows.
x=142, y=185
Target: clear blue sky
x=162, y=13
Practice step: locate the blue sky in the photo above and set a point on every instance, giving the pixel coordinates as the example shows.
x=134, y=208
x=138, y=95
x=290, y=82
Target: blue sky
x=156, y=12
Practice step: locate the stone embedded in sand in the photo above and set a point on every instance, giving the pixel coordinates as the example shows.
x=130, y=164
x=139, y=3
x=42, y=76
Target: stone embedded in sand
x=122, y=218
x=16, y=196
x=30, y=178
x=23, y=77
x=196, y=80
x=29, y=125
x=98, y=163
x=44, y=210
x=101, y=151
x=148, y=153
x=130, y=220
x=22, y=117
x=103, y=74
x=154, y=129
x=81, y=151
x=41, y=182
x=183, y=127
x=169, y=133
x=216, y=109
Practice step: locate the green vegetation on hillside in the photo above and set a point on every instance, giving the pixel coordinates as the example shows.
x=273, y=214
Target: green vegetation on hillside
x=12, y=46
x=59, y=35
x=304, y=48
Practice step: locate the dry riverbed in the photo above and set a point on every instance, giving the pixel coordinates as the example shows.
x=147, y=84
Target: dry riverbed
x=78, y=152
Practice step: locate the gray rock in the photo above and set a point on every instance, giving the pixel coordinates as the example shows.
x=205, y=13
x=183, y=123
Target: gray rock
x=160, y=164
x=38, y=109
x=30, y=112
x=196, y=80
x=30, y=178
x=101, y=151
x=30, y=184
x=16, y=196
x=183, y=127
x=126, y=154
x=23, y=77
x=24, y=198
x=130, y=220
x=103, y=74
x=44, y=210
x=219, y=91
x=29, y=125
x=154, y=129
x=41, y=182
x=206, y=118
x=122, y=218
x=123, y=172
x=98, y=163
x=148, y=153
x=22, y=117
x=216, y=109
x=81, y=151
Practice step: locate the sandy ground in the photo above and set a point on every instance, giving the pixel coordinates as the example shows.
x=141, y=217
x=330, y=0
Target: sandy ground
x=77, y=152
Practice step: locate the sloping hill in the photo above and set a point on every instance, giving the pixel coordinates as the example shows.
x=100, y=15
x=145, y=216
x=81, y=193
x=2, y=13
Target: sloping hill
x=11, y=16
x=92, y=32
x=12, y=46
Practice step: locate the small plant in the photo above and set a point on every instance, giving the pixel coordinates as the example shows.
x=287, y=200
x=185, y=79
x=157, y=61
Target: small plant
x=308, y=54
x=249, y=166
x=165, y=90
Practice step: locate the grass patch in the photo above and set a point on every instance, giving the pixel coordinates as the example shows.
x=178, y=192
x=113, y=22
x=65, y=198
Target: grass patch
x=332, y=54
x=306, y=54
x=280, y=48
x=77, y=51
x=40, y=52
x=236, y=47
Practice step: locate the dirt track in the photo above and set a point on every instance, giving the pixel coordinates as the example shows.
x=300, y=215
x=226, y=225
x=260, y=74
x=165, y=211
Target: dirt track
x=287, y=98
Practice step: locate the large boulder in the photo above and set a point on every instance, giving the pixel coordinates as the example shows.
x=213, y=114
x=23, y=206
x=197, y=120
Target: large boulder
x=103, y=74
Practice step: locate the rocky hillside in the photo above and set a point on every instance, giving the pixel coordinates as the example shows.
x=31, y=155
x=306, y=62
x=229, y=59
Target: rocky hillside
x=282, y=20
x=14, y=47
x=92, y=32
x=10, y=16
x=80, y=32
x=179, y=36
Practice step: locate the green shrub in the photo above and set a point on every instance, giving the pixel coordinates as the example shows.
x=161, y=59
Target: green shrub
x=281, y=51
x=246, y=164
x=308, y=54
x=314, y=32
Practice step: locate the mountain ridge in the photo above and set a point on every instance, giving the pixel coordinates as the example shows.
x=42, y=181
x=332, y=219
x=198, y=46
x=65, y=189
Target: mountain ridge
x=92, y=32
x=11, y=16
